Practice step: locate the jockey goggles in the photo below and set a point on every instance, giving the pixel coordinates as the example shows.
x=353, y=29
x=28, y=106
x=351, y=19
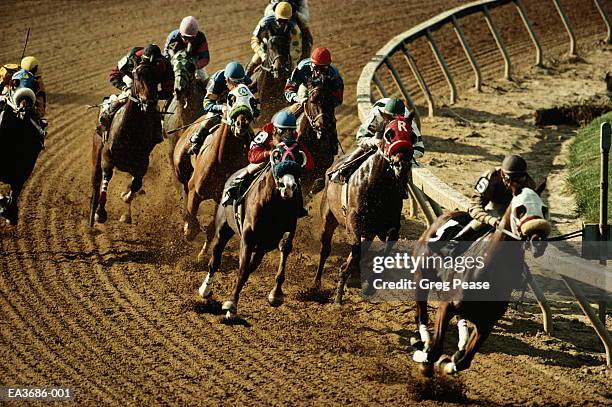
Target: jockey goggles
x=514, y=177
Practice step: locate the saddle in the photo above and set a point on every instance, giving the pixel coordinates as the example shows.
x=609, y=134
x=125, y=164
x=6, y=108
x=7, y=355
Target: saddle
x=442, y=243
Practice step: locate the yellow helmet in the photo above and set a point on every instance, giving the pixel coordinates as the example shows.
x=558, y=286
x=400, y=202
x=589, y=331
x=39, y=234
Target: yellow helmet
x=31, y=64
x=283, y=10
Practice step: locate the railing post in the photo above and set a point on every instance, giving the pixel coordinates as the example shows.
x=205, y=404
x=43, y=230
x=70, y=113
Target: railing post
x=468, y=53
x=417, y=74
x=380, y=86
x=398, y=81
x=608, y=39
x=443, y=66
x=568, y=28
x=521, y=10
x=499, y=42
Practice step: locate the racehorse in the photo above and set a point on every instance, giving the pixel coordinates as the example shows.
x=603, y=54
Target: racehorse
x=134, y=132
x=20, y=144
x=524, y=222
x=223, y=153
x=267, y=220
x=189, y=92
x=316, y=130
x=370, y=204
x=271, y=76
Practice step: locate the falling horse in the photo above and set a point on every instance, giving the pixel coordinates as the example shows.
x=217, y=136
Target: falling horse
x=370, y=204
x=503, y=251
x=20, y=144
x=134, y=132
x=272, y=76
x=267, y=220
x=223, y=153
x=317, y=131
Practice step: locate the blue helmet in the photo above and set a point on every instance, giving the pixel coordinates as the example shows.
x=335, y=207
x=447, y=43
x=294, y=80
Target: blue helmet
x=234, y=71
x=285, y=120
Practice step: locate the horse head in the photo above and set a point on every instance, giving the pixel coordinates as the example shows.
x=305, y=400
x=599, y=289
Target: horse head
x=397, y=146
x=529, y=218
x=319, y=107
x=184, y=75
x=287, y=160
x=240, y=103
x=144, y=88
x=21, y=96
x=278, y=60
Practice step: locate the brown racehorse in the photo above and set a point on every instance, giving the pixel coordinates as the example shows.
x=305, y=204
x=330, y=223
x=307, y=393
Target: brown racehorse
x=134, y=132
x=268, y=220
x=317, y=129
x=271, y=77
x=223, y=153
x=20, y=145
x=370, y=204
x=524, y=221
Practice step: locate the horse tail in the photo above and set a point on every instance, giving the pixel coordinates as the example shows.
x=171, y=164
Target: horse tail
x=96, y=176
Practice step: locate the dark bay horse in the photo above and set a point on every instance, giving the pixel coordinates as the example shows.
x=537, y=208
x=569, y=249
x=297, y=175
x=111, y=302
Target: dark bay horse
x=370, y=204
x=189, y=93
x=525, y=221
x=268, y=219
x=317, y=130
x=134, y=132
x=223, y=153
x=20, y=144
x=271, y=76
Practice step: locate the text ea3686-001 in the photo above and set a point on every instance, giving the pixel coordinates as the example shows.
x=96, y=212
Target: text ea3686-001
x=25, y=393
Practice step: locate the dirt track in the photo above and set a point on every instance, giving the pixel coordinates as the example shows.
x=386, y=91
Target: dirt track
x=110, y=312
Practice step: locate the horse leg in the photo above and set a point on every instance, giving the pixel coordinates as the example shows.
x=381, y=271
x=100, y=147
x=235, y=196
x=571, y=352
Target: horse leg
x=96, y=178
x=192, y=226
x=128, y=197
x=247, y=258
x=222, y=236
x=325, y=237
x=11, y=214
x=464, y=334
x=276, y=296
x=443, y=317
x=346, y=269
x=210, y=232
x=101, y=215
x=480, y=334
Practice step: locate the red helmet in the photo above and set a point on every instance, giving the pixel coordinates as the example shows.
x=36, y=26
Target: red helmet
x=321, y=56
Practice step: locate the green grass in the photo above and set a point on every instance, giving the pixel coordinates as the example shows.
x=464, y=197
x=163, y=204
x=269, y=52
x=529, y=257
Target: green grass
x=584, y=169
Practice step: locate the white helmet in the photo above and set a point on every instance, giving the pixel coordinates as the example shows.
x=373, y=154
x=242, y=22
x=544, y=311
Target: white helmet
x=189, y=27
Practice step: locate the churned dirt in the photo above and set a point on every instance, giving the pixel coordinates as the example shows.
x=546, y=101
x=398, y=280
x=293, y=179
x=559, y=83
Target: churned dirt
x=111, y=311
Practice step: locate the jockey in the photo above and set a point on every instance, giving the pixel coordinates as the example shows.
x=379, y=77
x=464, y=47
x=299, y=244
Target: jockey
x=221, y=83
x=279, y=24
x=26, y=79
x=189, y=33
x=281, y=130
x=491, y=197
x=301, y=14
x=121, y=78
x=369, y=136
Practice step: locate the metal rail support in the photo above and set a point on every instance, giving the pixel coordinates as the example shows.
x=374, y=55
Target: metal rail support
x=608, y=39
x=521, y=10
x=422, y=202
x=568, y=28
x=547, y=319
x=500, y=43
x=398, y=81
x=380, y=86
x=420, y=81
x=468, y=53
x=604, y=229
x=447, y=74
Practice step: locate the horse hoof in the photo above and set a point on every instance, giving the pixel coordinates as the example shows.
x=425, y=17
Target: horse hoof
x=446, y=365
x=276, y=301
x=202, y=254
x=458, y=356
x=426, y=369
x=101, y=216
x=190, y=232
x=420, y=356
x=231, y=309
x=125, y=218
x=417, y=343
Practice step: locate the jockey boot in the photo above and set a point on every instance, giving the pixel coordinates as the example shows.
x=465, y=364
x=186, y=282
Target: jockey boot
x=236, y=188
x=197, y=139
x=356, y=158
x=106, y=116
x=460, y=243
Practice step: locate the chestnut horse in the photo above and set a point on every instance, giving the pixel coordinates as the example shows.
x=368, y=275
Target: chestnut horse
x=525, y=220
x=271, y=76
x=370, y=204
x=134, y=132
x=20, y=144
x=268, y=219
x=223, y=153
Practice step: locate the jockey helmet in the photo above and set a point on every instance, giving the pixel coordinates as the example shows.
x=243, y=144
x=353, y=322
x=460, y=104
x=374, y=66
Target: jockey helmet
x=283, y=11
x=321, y=56
x=189, y=27
x=285, y=120
x=514, y=165
x=151, y=53
x=234, y=72
x=394, y=107
x=31, y=64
